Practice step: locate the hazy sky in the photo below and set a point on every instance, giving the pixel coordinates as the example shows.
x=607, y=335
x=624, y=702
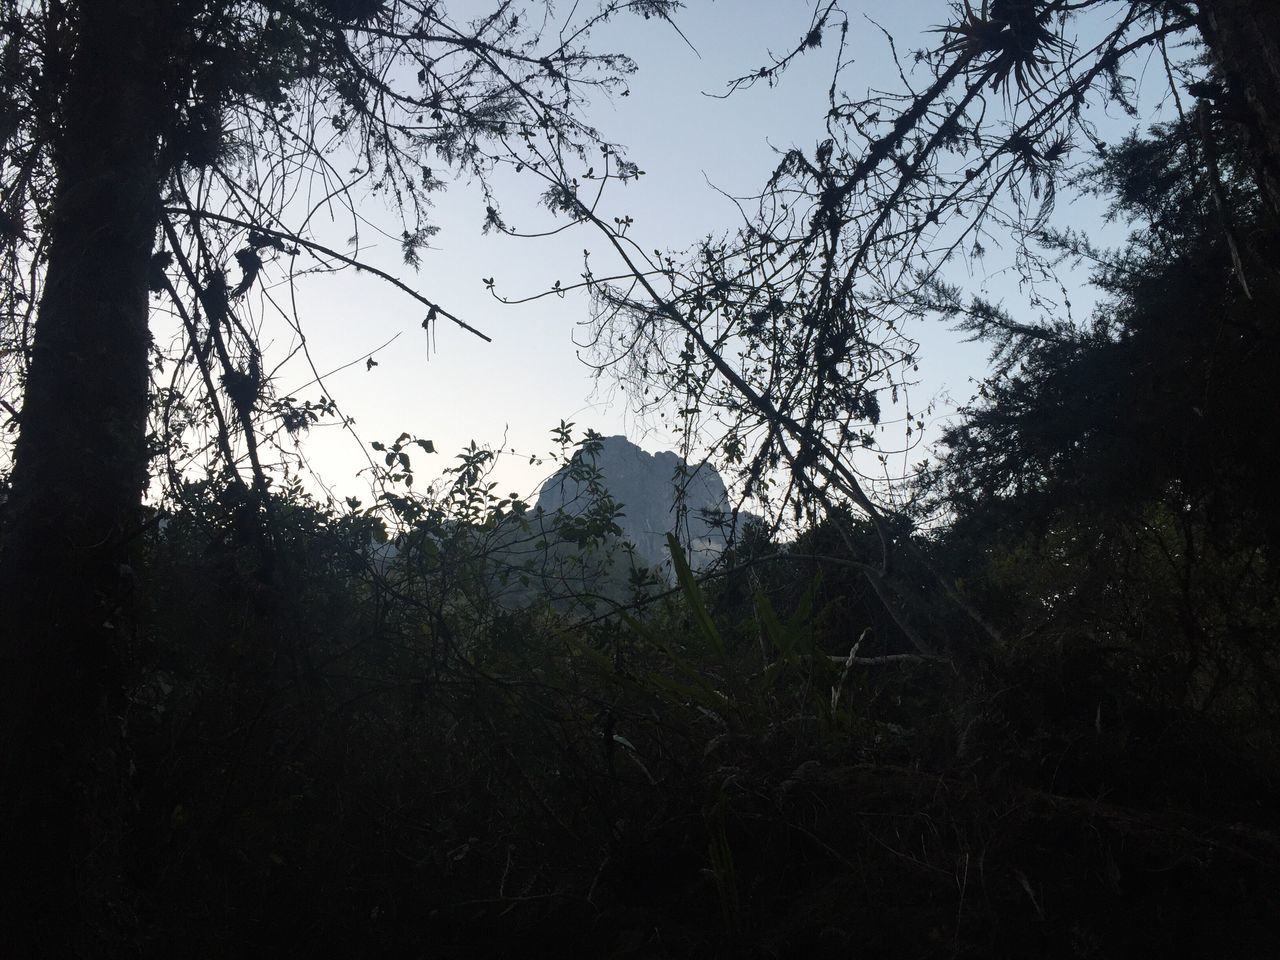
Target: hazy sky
x=529, y=378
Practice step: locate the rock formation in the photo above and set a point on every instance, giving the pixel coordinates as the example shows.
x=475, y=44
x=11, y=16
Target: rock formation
x=658, y=494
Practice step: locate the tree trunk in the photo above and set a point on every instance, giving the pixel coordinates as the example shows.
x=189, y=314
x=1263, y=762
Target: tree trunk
x=80, y=468
x=1244, y=38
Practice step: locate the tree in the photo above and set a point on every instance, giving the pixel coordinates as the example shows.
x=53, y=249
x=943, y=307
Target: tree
x=1124, y=465
x=1244, y=39
x=145, y=146
x=787, y=337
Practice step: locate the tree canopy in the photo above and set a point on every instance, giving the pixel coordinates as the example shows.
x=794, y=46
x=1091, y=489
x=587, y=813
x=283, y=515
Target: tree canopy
x=782, y=344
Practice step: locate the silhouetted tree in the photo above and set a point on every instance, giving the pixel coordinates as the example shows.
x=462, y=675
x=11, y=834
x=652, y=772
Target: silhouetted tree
x=144, y=146
x=786, y=339
x=1107, y=494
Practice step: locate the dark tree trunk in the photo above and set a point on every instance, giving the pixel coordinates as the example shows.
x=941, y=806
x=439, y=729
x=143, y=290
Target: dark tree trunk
x=1244, y=37
x=80, y=467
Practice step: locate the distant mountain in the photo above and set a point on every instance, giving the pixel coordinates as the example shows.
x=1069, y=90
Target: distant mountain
x=659, y=494
x=564, y=550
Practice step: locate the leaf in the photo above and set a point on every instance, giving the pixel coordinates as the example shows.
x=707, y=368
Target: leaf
x=693, y=594
x=702, y=695
x=777, y=635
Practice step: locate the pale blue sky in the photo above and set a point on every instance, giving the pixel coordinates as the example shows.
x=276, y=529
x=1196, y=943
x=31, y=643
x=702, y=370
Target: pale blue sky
x=529, y=378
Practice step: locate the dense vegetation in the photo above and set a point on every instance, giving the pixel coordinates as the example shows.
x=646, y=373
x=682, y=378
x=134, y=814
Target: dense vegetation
x=376, y=758
x=1033, y=710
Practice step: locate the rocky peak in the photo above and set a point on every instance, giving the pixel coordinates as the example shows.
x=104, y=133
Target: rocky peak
x=658, y=492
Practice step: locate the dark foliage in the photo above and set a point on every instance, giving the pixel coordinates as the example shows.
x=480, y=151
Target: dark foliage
x=331, y=732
